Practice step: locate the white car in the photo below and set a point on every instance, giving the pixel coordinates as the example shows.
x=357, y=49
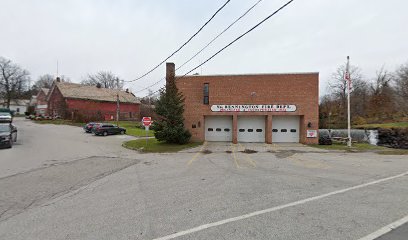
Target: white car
x=5, y=117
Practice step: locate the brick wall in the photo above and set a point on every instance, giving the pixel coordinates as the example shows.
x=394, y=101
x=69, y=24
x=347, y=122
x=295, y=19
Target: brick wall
x=128, y=111
x=41, y=98
x=41, y=102
x=299, y=89
x=56, y=104
x=88, y=109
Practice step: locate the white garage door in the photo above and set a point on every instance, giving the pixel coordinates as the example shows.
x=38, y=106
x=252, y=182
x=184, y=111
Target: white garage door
x=285, y=128
x=251, y=128
x=218, y=128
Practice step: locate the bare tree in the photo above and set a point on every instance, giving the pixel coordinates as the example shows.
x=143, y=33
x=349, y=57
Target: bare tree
x=13, y=80
x=401, y=86
x=338, y=84
x=105, y=78
x=382, y=103
x=338, y=89
x=44, y=81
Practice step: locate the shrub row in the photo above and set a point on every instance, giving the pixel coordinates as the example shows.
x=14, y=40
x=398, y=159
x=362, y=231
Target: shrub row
x=394, y=137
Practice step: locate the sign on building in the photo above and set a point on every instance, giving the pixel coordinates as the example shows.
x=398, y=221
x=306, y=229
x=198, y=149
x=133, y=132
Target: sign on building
x=254, y=108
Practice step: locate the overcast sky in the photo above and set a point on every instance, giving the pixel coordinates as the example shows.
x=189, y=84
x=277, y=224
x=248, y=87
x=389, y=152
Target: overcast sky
x=129, y=37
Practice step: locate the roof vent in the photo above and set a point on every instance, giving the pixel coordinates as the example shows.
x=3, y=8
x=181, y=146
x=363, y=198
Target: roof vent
x=58, y=79
x=127, y=90
x=98, y=85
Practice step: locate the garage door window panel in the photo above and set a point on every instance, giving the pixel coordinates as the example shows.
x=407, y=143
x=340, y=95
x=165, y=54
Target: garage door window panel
x=251, y=128
x=218, y=128
x=285, y=128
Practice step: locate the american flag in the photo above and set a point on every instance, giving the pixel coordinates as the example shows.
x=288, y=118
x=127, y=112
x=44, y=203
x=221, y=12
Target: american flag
x=348, y=79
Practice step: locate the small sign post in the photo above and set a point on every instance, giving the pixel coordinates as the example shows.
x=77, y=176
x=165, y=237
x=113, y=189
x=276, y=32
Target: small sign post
x=147, y=121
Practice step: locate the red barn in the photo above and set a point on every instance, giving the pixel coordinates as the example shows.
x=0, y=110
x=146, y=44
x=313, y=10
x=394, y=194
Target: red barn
x=41, y=104
x=91, y=103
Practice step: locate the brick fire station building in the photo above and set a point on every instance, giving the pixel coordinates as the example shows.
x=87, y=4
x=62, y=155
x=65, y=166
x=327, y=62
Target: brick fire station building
x=250, y=108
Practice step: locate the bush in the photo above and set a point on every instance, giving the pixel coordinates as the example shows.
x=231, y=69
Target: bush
x=325, y=141
x=394, y=137
x=175, y=134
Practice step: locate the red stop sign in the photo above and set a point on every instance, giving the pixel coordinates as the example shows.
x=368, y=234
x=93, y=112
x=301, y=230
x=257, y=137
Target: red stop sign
x=147, y=121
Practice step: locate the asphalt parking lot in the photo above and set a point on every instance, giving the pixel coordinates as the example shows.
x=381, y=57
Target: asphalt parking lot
x=215, y=191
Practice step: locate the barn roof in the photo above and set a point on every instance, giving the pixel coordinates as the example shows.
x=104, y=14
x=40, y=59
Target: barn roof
x=79, y=91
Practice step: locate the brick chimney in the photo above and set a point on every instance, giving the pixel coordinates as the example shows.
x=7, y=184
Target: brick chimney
x=170, y=74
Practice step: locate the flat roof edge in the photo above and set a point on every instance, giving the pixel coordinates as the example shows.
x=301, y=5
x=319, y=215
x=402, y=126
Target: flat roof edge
x=251, y=74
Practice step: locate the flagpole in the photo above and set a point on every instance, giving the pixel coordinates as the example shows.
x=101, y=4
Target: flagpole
x=348, y=79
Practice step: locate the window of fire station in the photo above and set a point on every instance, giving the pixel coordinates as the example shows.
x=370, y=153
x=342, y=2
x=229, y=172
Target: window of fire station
x=206, y=89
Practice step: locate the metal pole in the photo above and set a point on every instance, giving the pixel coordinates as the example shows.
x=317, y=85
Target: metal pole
x=117, y=103
x=147, y=135
x=348, y=101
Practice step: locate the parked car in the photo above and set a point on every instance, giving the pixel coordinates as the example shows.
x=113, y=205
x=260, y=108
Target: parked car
x=6, y=117
x=88, y=127
x=107, y=129
x=8, y=134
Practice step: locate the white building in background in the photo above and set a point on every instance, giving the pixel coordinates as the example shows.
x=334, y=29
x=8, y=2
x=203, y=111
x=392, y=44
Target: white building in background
x=18, y=106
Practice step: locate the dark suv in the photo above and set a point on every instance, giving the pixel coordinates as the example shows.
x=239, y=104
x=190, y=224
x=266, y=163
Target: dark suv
x=8, y=134
x=107, y=129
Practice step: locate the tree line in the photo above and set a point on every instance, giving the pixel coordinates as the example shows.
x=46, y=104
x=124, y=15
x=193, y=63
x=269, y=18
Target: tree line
x=15, y=81
x=382, y=98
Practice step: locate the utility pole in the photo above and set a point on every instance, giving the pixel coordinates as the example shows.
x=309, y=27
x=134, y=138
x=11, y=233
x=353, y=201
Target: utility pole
x=348, y=79
x=117, y=103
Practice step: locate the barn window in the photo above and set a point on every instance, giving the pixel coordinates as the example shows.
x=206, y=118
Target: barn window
x=258, y=130
x=250, y=130
x=292, y=130
x=210, y=129
x=218, y=129
x=226, y=129
x=284, y=130
x=241, y=130
x=274, y=130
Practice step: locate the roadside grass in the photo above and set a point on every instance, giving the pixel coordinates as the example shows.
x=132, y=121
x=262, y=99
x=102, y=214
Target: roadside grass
x=154, y=146
x=363, y=147
x=133, y=128
x=392, y=151
x=383, y=125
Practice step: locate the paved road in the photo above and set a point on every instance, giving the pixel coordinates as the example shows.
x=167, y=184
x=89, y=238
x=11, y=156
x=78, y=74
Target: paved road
x=400, y=233
x=41, y=145
x=279, y=192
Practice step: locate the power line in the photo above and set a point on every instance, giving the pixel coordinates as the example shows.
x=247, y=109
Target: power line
x=226, y=29
x=141, y=90
x=208, y=44
x=236, y=39
x=184, y=44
